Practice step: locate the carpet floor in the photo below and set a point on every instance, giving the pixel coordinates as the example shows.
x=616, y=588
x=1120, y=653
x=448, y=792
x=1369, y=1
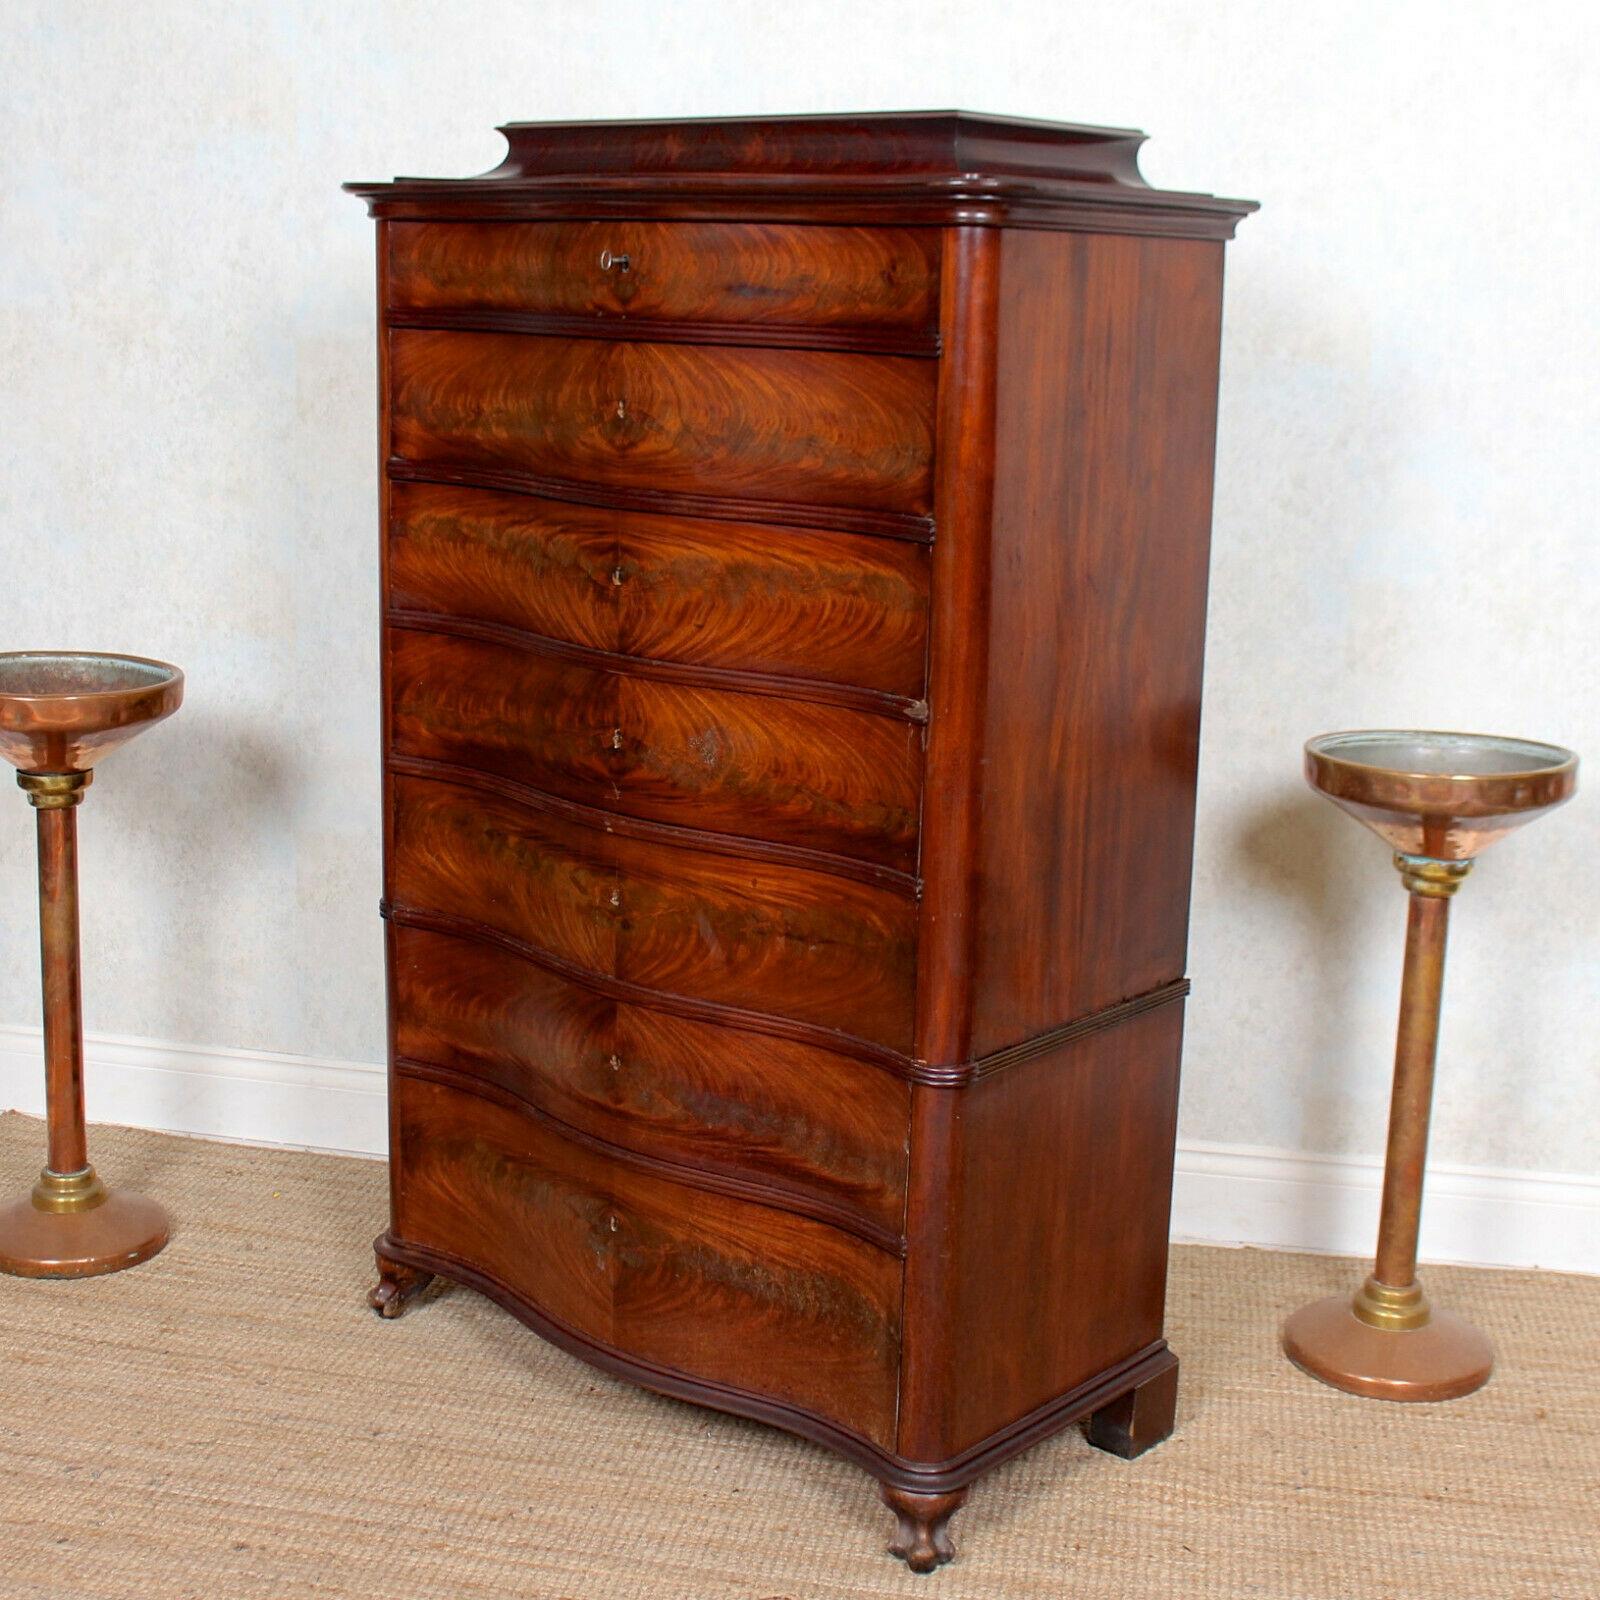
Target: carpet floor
x=230, y=1422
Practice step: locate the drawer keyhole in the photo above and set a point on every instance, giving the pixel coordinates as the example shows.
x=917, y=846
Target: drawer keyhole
x=612, y=262
x=622, y=409
x=618, y=576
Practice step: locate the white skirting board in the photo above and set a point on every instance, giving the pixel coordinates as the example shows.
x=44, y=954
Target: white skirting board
x=248, y=1095
x=1479, y=1216
x=1225, y=1194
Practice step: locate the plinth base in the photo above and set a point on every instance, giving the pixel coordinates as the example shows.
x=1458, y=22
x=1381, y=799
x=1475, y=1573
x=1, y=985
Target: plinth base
x=1442, y=1360
x=121, y=1231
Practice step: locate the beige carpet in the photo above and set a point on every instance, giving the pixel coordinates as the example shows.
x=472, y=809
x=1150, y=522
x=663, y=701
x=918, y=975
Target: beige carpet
x=230, y=1421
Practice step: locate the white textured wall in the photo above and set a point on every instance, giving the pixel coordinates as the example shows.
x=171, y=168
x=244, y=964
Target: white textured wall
x=1405, y=517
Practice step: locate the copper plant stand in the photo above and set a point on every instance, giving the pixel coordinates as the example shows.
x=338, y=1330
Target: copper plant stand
x=1438, y=800
x=60, y=712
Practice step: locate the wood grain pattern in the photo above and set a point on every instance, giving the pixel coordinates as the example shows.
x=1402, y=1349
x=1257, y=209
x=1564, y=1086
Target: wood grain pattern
x=1139, y=1419
x=1085, y=1133
x=777, y=425
x=731, y=1291
x=961, y=622
x=652, y=669
x=385, y=490
x=864, y=143
x=659, y=502
x=656, y=330
x=952, y=819
x=889, y=1468
x=790, y=738
x=789, y=601
x=716, y=1012
x=806, y=1122
x=717, y=272
x=942, y=168
x=809, y=775
x=1105, y=434
x=660, y=835
x=779, y=939
x=849, y=201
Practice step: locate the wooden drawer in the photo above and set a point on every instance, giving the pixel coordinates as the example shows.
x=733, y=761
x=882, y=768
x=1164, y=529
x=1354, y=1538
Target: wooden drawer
x=791, y=601
x=784, y=770
x=673, y=271
x=712, y=1287
x=804, y=1122
x=798, y=427
x=784, y=940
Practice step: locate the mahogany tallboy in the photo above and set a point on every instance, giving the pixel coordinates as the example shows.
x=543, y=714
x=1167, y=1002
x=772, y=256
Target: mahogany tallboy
x=795, y=540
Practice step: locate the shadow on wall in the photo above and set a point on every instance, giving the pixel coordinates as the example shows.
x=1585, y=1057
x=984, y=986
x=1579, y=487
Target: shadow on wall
x=1299, y=849
x=1320, y=460
x=192, y=823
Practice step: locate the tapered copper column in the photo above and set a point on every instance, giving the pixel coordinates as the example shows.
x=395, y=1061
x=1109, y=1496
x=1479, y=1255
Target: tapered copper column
x=63, y=988
x=1439, y=799
x=60, y=713
x=1416, y=1050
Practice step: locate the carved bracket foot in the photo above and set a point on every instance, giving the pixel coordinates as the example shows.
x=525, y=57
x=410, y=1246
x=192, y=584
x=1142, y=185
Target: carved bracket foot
x=398, y=1285
x=1139, y=1419
x=922, y=1526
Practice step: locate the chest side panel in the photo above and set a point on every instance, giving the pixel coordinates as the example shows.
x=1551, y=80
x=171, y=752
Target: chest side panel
x=1039, y=1194
x=1105, y=433
x=1060, y=1182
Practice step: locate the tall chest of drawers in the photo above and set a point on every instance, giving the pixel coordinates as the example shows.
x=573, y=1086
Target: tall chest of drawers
x=795, y=536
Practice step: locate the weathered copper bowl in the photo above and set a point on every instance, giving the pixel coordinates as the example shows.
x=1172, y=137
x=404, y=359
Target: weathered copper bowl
x=62, y=710
x=1444, y=795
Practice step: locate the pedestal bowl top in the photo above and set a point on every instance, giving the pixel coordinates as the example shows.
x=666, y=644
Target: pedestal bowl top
x=1444, y=795
x=62, y=710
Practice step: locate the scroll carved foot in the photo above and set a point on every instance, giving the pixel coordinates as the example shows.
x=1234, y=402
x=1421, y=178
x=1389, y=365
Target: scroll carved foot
x=922, y=1526
x=398, y=1285
x=1139, y=1419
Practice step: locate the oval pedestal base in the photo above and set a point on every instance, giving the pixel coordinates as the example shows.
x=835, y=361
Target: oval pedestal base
x=123, y=1230
x=1442, y=1360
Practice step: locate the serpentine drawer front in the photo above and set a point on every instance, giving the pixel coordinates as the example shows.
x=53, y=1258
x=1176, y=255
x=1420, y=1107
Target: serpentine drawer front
x=618, y=1254
x=650, y=910
x=795, y=542
x=796, y=603
x=763, y=426
x=791, y=1116
x=826, y=777
x=702, y=274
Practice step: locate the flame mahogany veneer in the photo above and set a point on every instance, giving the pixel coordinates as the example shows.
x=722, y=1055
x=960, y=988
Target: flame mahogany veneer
x=795, y=542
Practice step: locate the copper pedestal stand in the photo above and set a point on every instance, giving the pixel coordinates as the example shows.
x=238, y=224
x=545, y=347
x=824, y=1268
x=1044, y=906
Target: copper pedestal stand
x=1438, y=800
x=60, y=712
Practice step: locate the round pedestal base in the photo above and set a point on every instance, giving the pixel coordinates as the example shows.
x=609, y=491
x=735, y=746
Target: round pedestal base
x=1442, y=1360
x=121, y=1231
